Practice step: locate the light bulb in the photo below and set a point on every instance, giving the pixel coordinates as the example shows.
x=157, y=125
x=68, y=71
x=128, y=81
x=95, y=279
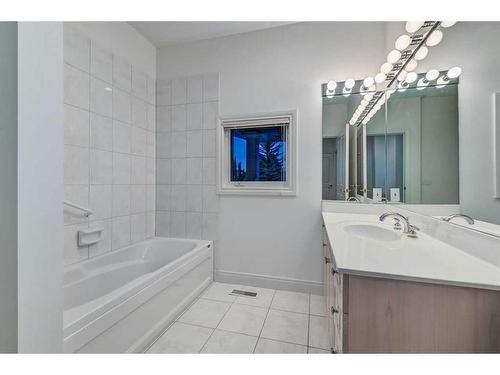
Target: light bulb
x=431, y=75
x=454, y=72
x=402, y=42
x=331, y=85
x=411, y=77
x=380, y=77
x=346, y=92
x=386, y=67
x=368, y=82
x=446, y=24
x=441, y=82
x=352, y=122
x=412, y=64
x=422, y=84
x=349, y=83
x=434, y=39
x=402, y=75
x=364, y=102
x=421, y=53
x=368, y=97
x=413, y=26
x=402, y=87
x=393, y=56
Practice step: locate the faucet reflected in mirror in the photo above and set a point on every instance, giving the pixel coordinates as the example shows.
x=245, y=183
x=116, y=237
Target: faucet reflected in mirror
x=467, y=218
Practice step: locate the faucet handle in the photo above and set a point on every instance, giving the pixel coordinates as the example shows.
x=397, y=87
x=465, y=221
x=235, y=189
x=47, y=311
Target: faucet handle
x=412, y=231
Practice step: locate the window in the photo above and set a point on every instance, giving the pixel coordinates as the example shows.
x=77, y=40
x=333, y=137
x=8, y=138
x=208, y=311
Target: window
x=257, y=155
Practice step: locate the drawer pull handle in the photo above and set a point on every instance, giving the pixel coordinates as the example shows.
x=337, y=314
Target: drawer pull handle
x=334, y=271
x=327, y=260
x=333, y=310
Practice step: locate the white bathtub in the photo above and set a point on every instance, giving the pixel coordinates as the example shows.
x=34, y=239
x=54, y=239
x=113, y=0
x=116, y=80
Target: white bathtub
x=121, y=301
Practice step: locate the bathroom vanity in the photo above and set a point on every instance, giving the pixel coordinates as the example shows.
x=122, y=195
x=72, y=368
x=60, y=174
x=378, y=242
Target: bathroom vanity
x=387, y=293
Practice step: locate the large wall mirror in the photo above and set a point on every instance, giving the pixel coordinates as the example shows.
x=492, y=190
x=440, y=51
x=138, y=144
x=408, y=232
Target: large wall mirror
x=407, y=152
x=420, y=135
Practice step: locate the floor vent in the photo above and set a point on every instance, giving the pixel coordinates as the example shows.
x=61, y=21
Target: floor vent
x=238, y=292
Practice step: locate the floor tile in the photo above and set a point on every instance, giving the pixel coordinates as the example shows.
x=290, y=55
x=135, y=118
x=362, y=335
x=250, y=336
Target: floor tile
x=206, y=313
x=317, y=305
x=291, y=301
x=244, y=319
x=181, y=338
x=229, y=342
x=318, y=332
x=318, y=351
x=286, y=326
x=220, y=292
x=272, y=346
x=263, y=298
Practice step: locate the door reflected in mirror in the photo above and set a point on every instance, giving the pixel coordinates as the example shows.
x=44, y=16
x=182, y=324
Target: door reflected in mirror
x=422, y=146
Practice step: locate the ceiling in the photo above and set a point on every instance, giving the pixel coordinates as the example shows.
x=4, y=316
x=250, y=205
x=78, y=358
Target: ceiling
x=168, y=33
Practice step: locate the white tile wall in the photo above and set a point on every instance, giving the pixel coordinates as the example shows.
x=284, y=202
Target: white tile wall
x=187, y=113
x=110, y=152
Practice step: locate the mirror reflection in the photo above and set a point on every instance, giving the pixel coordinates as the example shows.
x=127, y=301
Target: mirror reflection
x=406, y=152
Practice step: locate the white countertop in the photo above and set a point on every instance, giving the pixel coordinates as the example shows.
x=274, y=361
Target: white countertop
x=424, y=259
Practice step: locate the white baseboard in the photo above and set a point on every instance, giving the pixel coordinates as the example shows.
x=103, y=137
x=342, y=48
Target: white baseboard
x=267, y=281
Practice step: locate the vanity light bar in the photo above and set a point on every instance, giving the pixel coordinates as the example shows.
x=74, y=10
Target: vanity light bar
x=397, y=71
x=409, y=49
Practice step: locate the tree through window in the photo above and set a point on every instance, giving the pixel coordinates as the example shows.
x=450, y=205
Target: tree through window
x=258, y=154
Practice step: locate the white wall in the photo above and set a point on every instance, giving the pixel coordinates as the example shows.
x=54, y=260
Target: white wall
x=8, y=187
x=272, y=240
x=40, y=186
x=123, y=40
x=187, y=202
x=473, y=46
x=109, y=136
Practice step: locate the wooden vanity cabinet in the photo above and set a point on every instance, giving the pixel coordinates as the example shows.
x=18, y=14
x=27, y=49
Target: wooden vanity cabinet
x=380, y=315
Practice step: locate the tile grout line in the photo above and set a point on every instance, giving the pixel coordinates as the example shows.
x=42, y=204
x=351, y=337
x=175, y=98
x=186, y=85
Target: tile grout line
x=309, y=324
x=262, y=328
x=232, y=303
x=218, y=324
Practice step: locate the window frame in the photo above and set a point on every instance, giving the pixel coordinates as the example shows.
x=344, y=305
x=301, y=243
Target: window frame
x=281, y=188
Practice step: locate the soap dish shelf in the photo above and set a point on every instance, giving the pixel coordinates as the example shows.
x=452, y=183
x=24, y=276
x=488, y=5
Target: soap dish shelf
x=89, y=236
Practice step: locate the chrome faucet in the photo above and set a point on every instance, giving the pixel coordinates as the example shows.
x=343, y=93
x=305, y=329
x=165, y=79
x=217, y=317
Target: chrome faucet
x=408, y=229
x=353, y=199
x=467, y=218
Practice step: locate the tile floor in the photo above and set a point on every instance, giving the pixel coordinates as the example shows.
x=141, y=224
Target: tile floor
x=275, y=321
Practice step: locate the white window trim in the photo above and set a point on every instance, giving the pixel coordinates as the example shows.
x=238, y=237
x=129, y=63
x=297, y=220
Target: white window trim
x=226, y=187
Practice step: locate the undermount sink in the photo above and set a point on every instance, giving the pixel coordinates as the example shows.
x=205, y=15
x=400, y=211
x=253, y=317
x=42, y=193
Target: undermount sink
x=372, y=232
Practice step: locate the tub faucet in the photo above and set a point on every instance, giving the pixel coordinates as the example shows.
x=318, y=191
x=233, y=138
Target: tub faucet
x=408, y=229
x=467, y=218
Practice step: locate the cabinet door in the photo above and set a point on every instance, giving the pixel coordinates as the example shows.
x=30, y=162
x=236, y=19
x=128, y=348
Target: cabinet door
x=330, y=307
x=336, y=312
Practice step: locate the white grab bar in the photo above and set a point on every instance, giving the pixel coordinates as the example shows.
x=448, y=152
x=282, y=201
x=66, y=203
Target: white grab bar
x=86, y=211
